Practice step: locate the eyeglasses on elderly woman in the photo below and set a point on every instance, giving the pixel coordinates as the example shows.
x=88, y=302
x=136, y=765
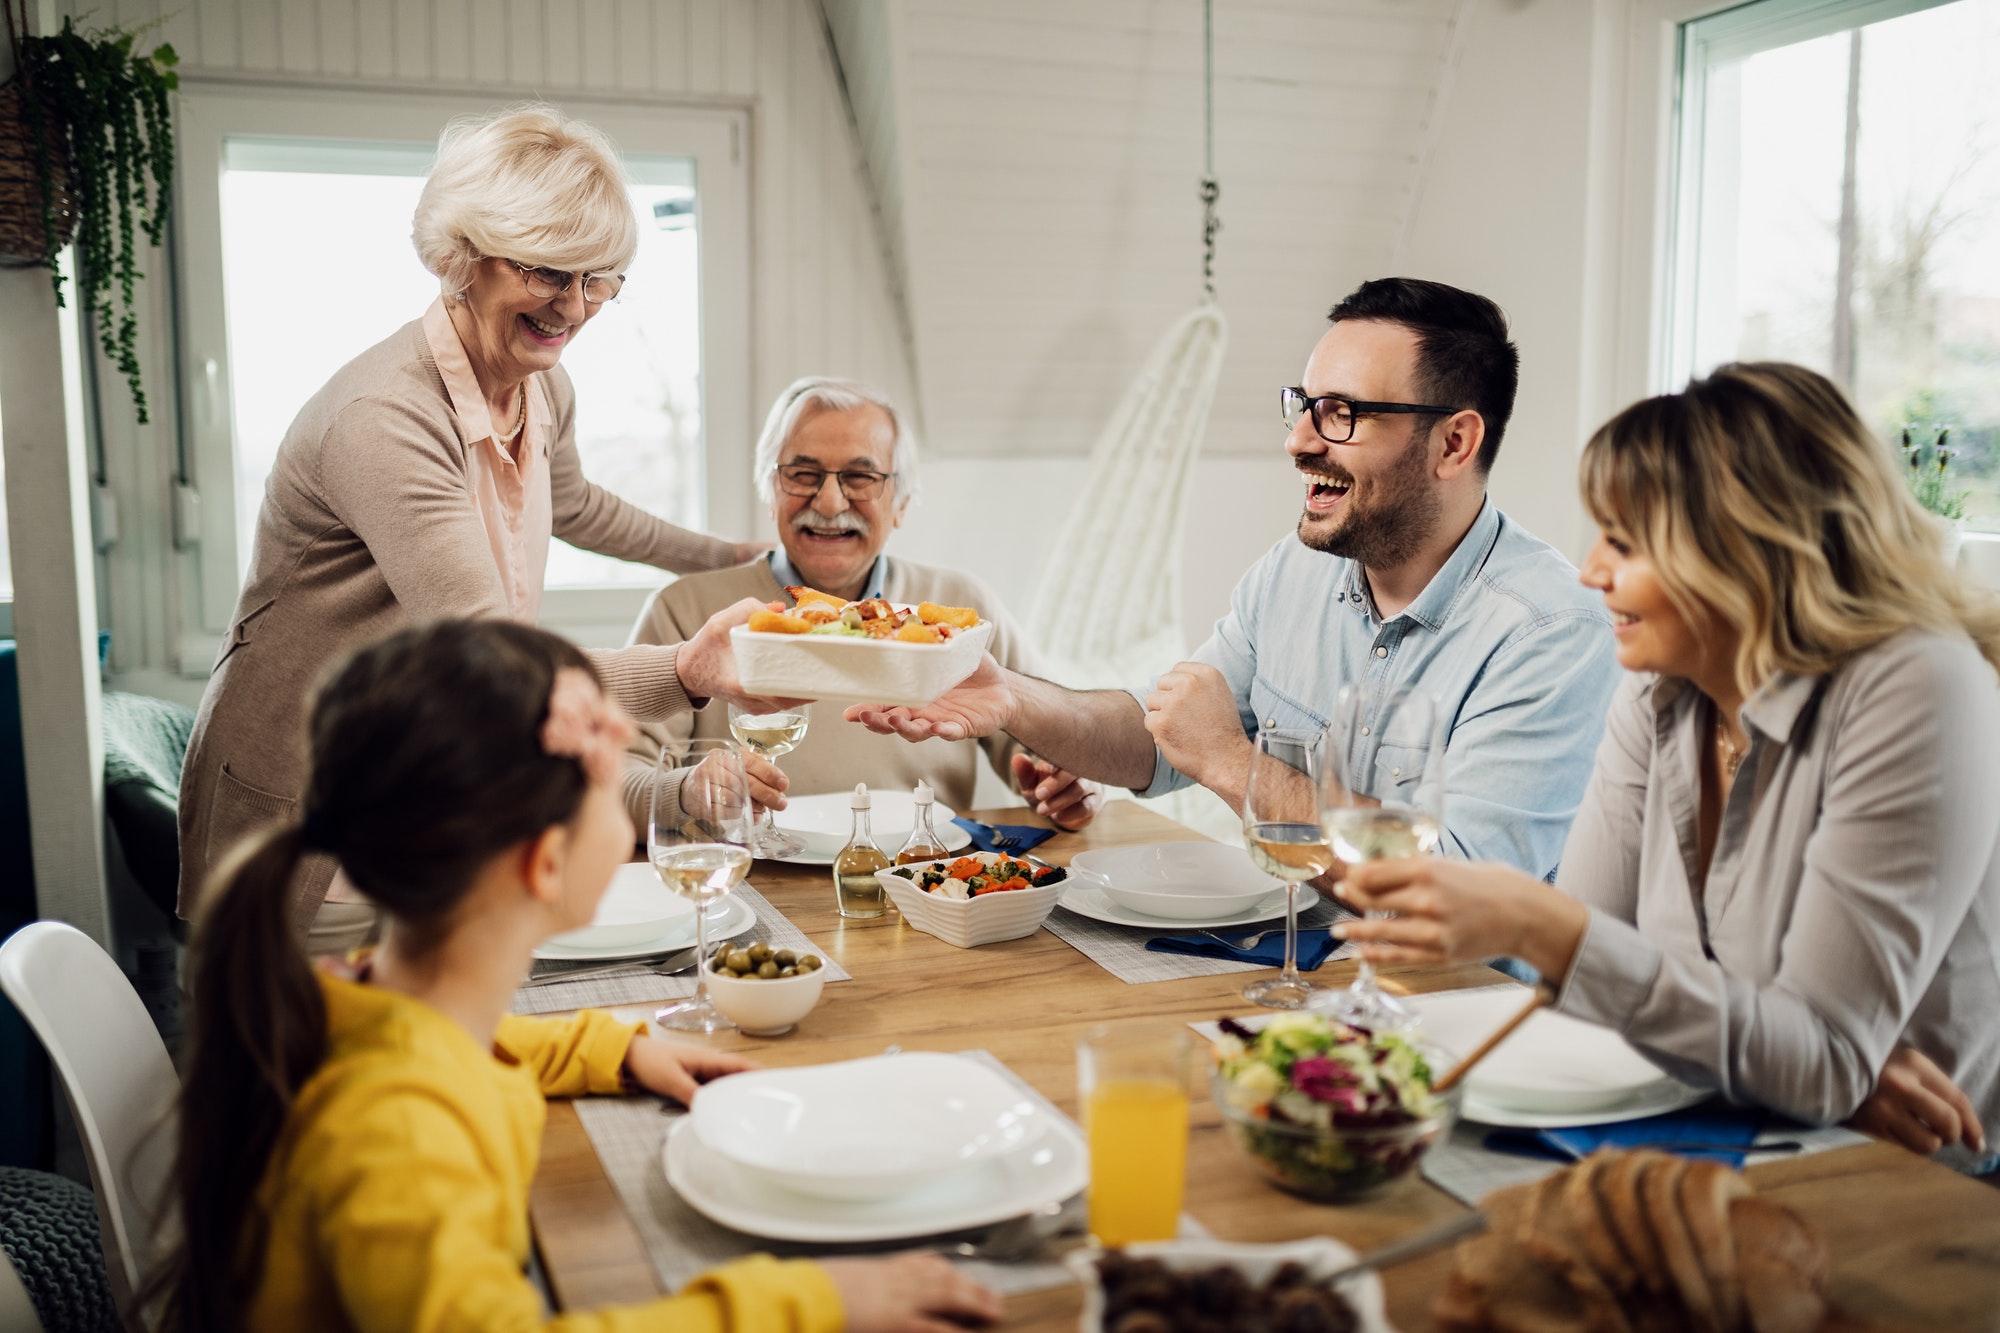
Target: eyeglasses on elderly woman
x=545, y=283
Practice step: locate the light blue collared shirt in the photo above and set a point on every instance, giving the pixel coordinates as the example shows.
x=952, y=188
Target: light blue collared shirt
x=878, y=574
x=1519, y=654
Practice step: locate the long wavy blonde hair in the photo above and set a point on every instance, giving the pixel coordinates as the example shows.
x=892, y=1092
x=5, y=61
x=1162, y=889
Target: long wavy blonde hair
x=1765, y=504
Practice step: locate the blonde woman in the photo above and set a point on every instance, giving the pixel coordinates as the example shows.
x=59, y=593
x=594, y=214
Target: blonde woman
x=426, y=479
x=1783, y=882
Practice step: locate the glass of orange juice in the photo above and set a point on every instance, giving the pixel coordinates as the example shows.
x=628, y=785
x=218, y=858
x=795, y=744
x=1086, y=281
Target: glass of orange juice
x=1132, y=1081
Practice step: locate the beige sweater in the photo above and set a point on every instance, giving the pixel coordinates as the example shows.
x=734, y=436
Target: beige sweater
x=368, y=526
x=836, y=753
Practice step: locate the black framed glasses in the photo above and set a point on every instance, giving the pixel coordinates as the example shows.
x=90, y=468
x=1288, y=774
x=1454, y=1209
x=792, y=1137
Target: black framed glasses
x=547, y=283
x=1334, y=416
x=804, y=481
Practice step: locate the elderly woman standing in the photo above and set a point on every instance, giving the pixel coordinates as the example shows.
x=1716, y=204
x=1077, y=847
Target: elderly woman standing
x=426, y=479
x=1784, y=882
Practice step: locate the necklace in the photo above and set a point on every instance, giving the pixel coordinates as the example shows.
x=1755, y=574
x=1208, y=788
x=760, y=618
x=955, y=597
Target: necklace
x=1732, y=758
x=520, y=421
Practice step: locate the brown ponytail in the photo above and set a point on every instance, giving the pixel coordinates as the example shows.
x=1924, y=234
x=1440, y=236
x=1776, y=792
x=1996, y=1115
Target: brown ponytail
x=264, y=1035
x=426, y=761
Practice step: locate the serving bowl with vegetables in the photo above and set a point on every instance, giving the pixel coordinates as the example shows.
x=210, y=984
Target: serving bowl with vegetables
x=1327, y=1110
x=972, y=900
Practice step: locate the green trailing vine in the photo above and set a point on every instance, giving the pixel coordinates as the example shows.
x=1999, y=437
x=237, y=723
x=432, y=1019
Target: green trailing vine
x=91, y=95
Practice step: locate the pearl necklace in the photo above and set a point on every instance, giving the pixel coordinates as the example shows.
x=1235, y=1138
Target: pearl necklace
x=520, y=421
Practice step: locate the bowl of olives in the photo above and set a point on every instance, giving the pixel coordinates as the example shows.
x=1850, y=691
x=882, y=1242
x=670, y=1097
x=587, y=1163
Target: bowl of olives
x=765, y=991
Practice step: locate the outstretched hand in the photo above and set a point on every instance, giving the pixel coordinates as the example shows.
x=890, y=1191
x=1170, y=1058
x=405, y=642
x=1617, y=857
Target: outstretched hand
x=1917, y=1105
x=979, y=705
x=706, y=663
x=917, y=1292
x=1451, y=911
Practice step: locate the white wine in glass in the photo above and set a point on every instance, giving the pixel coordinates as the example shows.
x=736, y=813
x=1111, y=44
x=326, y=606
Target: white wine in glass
x=1383, y=799
x=698, y=842
x=1281, y=828
x=771, y=735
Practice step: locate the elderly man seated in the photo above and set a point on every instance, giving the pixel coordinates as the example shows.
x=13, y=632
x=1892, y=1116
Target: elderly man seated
x=838, y=467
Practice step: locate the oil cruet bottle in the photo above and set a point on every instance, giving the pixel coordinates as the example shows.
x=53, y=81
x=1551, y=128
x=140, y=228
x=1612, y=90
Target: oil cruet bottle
x=924, y=843
x=855, y=889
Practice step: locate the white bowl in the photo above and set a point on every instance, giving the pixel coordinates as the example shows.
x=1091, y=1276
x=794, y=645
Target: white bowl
x=766, y=1008
x=636, y=908
x=865, y=1129
x=1322, y=1256
x=968, y=923
x=1176, y=881
x=840, y=669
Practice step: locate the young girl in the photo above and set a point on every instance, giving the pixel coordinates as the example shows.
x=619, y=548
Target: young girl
x=356, y=1153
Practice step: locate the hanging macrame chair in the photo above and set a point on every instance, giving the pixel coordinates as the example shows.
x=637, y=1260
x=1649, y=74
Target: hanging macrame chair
x=1108, y=611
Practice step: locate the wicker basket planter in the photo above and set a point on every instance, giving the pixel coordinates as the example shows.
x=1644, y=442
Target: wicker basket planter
x=23, y=240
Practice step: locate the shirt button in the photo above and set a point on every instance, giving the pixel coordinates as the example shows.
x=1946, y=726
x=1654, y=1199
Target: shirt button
x=1381, y=652
x=1367, y=731
x=1395, y=772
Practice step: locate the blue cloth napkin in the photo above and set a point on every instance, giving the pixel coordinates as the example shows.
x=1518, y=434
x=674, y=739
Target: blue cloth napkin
x=1314, y=946
x=1707, y=1124
x=1021, y=837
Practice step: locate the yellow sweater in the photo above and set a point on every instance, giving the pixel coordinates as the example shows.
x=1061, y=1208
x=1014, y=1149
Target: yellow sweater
x=398, y=1193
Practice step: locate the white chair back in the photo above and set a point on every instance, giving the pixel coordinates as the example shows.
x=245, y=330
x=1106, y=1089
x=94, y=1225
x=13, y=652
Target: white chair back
x=120, y=1084
x=1108, y=610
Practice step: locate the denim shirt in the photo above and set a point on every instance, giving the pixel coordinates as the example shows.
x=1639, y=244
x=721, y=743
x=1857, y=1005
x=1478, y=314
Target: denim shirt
x=788, y=577
x=1517, y=652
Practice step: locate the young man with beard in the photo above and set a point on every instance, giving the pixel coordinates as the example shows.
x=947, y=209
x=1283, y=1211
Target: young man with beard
x=1402, y=574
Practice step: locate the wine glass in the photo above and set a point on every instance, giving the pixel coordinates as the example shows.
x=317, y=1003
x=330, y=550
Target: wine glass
x=1282, y=828
x=771, y=735
x=1383, y=790
x=698, y=840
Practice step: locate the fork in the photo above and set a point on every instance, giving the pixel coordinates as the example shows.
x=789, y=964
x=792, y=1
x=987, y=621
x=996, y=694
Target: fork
x=1245, y=941
x=670, y=966
x=1001, y=841
x=1023, y=1237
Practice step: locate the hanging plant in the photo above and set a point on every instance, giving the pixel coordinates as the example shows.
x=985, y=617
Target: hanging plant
x=93, y=112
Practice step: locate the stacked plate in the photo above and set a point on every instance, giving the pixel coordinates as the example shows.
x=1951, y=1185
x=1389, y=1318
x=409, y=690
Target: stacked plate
x=1552, y=1072
x=1172, y=886
x=638, y=916
x=824, y=823
x=885, y=1148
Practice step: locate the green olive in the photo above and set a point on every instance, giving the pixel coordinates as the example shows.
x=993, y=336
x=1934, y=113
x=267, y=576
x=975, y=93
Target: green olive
x=739, y=961
x=760, y=952
x=767, y=969
x=784, y=958
x=788, y=971
x=810, y=963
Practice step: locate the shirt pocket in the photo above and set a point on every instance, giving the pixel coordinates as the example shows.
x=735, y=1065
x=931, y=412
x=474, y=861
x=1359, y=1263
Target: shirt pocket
x=1399, y=769
x=240, y=809
x=1274, y=708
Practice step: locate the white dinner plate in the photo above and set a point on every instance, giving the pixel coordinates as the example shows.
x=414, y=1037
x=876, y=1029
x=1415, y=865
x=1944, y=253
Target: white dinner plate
x=1046, y=1171
x=825, y=822
x=730, y=917
x=1671, y=1097
x=1179, y=881
x=635, y=908
x=1086, y=899
x=866, y=1129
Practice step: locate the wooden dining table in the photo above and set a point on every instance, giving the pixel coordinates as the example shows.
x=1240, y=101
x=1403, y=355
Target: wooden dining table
x=1913, y=1244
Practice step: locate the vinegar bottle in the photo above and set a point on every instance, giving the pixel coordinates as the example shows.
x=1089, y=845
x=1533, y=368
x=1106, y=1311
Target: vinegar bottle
x=924, y=843
x=855, y=889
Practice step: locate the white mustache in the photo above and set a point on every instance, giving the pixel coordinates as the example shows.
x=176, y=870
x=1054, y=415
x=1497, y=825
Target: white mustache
x=845, y=521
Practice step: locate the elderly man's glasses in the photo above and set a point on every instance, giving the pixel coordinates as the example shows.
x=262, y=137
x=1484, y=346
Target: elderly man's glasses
x=547, y=283
x=855, y=483
x=1334, y=416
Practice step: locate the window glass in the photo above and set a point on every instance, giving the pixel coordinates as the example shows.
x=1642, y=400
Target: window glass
x=6, y=559
x=1840, y=207
x=318, y=266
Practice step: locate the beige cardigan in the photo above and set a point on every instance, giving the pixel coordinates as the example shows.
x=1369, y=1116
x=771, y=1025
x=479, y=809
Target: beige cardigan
x=836, y=753
x=368, y=526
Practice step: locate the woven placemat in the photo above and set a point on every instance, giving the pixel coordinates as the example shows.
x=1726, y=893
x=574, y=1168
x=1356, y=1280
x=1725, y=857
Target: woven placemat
x=635, y=985
x=1121, y=950
x=628, y=1132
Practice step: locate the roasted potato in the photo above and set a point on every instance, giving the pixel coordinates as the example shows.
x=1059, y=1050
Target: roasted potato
x=778, y=622
x=959, y=617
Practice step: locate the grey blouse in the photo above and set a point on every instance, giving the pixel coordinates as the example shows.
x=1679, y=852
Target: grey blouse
x=1853, y=899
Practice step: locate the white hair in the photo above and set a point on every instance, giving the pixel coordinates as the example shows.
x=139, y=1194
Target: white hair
x=528, y=184
x=823, y=392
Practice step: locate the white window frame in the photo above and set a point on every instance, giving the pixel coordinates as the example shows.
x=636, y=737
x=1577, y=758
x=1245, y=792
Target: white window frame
x=210, y=111
x=1703, y=44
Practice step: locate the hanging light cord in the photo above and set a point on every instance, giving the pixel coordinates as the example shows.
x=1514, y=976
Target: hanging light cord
x=1210, y=190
